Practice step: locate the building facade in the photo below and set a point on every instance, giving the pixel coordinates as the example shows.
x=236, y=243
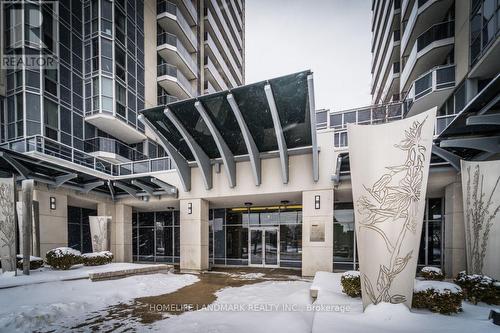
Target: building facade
x=112, y=59
x=426, y=53
x=250, y=175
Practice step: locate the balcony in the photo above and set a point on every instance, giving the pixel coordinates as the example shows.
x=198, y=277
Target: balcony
x=423, y=14
x=374, y=114
x=384, y=73
x=391, y=86
x=53, y=151
x=213, y=29
x=112, y=150
x=209, y=88
x=431, y=48
x=109, y=123
x=379, y=49
x=172, y=80
x=171, y=19
x=213, y=75
x=171, y=49
x=430, y=89
x=212, y=51
x=227, y=32
x=166, y=99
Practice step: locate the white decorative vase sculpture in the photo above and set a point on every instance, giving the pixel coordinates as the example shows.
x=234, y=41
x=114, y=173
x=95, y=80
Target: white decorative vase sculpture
x=389, y=170
x=7, y=225
x=100, y=232
x=481, y=197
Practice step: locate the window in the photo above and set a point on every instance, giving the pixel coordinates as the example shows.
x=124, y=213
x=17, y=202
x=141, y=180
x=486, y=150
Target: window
x=51, y=119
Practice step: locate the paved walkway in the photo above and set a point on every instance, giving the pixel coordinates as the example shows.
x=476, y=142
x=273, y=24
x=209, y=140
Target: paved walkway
x=147, y=310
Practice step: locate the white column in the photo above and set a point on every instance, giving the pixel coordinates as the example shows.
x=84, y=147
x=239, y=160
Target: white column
x=53, y=222
x=194, y=235
x=317, y=232
x=454, y=238
x=121, y=231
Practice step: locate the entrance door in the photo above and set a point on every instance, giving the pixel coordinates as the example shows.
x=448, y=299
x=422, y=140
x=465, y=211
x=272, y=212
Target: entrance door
x=263, y=245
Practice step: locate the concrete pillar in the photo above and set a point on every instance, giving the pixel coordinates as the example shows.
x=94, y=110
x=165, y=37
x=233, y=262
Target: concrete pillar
x=53, y=222
x=317, y=232
x=121, y=233
x=194, y=235
x=454, y=238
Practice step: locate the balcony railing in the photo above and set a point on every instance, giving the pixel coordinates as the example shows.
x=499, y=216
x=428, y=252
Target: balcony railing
x=64, y=152
x=437, y=78
x=434, y=33
x=166, y=99
x=171, y=39
x=374, y=114
x=113, y=146
x=171, y=70
x=164, y=6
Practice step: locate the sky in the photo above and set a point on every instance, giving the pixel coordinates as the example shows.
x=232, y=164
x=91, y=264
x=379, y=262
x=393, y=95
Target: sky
x=330, y=37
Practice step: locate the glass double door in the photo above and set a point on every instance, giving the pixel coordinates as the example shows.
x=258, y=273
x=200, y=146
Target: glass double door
x=263, y=246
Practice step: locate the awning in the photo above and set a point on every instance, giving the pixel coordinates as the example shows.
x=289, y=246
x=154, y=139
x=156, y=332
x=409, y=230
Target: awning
x=246, y=122
x=55, y=175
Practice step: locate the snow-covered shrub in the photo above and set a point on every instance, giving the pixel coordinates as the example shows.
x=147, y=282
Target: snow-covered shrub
x=479, y=288
x=432, y=273
x=351, y=283
x=97, y=258
x=437, y=296
x=35, y=262
x=63, y=257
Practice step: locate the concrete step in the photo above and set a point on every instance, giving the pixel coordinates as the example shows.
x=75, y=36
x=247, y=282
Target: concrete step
x=161, y=268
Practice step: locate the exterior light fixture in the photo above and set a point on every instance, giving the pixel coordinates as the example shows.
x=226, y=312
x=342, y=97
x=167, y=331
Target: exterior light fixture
x=190, y=208
x=52, y=203
x=317, y=202
x=284, y=202
x=170, y=208
x=248, y=204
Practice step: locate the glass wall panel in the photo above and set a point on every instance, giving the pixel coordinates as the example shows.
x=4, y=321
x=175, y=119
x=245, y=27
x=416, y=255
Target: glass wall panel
x=237, y=244
x=290, y=243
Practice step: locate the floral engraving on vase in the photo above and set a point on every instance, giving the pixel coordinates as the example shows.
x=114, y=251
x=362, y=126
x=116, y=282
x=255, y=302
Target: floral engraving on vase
x=394, y=199
x=7, y=224
x=479, y=218
x=99, y=239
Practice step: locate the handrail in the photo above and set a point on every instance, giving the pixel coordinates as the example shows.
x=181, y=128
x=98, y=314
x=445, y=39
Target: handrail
x=112, y=146
x=435, y=32
x=165, y=37
x=169, y=7
x=46, y=146
x=171, y=70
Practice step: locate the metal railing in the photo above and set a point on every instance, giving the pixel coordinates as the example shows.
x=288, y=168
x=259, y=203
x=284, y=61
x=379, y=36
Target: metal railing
x=64, y=152
x=166, y=99
x=440, y=77
x=435, y=32
x=113, y=146
x=171, y=70
x=164, y=37
x=165, y=6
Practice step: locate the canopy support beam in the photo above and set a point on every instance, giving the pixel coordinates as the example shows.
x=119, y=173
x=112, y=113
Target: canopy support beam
x=453, y=159
x=172, y=190
x=200, y=156
x=21, y=169
x=126, y=188
x=224, y=151
x=178, y=161
x=280, y=137
x=488, y=144
x=253, y=151
x=314, y=139
x=148, y=189
x=485, y=119
x=59, y=180
x=90, y=186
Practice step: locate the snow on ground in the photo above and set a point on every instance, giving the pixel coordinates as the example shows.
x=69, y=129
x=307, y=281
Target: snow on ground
x=47, y=274
x=393, y=317
x=258, y=300
x=64, y=303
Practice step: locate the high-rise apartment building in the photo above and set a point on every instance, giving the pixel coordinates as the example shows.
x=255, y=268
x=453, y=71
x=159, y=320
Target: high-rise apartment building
x=111, y=60
x=428, y=53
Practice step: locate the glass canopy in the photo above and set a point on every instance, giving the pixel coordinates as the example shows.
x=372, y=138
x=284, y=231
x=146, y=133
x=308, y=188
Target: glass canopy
x=291, y=97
